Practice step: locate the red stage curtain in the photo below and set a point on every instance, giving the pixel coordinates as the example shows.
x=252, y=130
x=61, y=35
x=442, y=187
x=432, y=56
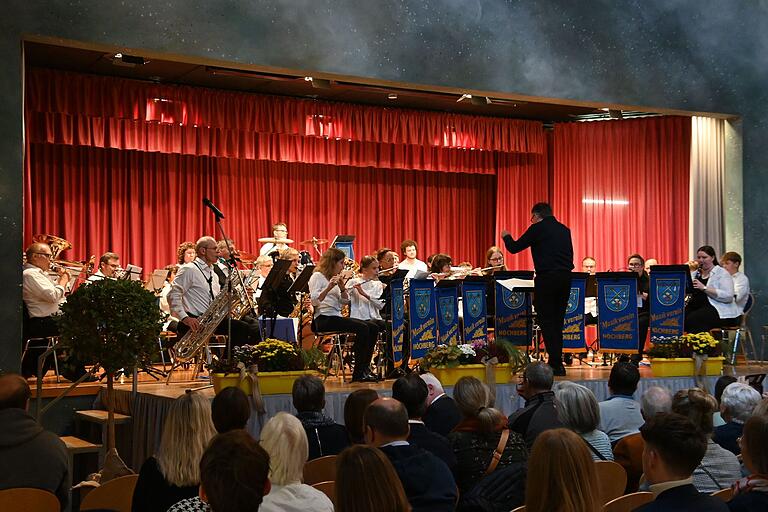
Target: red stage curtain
x=644, y=162
x=142, y=205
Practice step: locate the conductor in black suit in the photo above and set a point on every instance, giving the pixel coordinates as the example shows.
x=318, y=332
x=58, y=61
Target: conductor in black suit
x=674, y=447
x=552, y=251
x=442, y=413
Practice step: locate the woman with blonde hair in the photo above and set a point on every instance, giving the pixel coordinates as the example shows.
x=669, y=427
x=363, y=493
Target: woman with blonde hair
x=366, y=482
x=173, y=473
x=328, y=291
x=476, y=439
x=285, y=440
x=561, y=474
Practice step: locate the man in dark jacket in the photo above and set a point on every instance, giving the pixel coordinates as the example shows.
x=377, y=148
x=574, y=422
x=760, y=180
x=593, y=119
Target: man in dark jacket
x=412, y=392
x=30, y=456
x=552, y=252
x=325, y=436
x=674, y=447
x=539, y=413
x=442, y=413
x=427, y=481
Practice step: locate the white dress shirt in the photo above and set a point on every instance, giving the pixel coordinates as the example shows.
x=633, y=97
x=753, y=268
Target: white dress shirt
x=723, y=302
x=192, y=289
x=362, y=308
x=41, y=295
x=741, y=290
x=331, y=305
x=416, y=265
x=97, y=276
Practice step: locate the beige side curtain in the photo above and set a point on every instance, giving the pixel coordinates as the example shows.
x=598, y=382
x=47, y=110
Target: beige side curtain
x=706, y=189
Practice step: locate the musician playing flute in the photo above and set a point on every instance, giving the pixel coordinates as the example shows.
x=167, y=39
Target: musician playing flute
x=328, y=291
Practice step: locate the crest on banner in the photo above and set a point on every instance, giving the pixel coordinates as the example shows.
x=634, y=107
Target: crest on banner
x=422, y=302
x=512, y=300
x=573, y=301
x=617, y=297
x=398, y=304
x=446, y=309
x=667, y=291
x=474, y=300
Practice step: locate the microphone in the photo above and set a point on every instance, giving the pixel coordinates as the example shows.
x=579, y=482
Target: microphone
x=207, y=202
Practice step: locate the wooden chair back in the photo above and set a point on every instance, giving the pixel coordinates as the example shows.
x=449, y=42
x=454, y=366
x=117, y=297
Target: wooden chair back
x=521, y=508
x=29, y=500
x=114, y=495
x=628, y=502
x=327, y=488
x=322, y=469
x=612, y=479
x=724, y=494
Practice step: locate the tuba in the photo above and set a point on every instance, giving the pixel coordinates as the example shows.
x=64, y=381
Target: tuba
x=57, y=245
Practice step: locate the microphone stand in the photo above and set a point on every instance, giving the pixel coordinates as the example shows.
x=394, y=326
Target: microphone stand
x=229, y=284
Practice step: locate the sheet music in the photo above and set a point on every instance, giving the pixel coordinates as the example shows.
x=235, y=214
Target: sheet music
x=511, y=284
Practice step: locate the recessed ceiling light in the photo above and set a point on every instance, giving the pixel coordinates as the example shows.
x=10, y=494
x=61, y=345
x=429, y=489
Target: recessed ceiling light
x=392, y=96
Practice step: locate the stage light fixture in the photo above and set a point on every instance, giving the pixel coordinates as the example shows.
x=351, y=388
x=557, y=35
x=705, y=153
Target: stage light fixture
x=318, y=83
x=392, y=96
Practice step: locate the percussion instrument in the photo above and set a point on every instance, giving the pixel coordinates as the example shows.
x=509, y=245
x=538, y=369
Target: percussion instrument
x=276, y=241
x=314, y=241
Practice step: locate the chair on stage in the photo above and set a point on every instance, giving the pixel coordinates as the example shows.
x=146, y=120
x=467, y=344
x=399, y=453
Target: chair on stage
x=29, y=500
x=724, y=494
x=116, y=495
x=612, y=479
x=45, y=344
x=628, y=502
x=322, y=469
x=327, y=488
x=742, y=331
x=340, y=350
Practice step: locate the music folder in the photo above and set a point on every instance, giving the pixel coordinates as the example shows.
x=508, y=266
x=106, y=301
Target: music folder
x=275, y=275
x=157, y=280
x=302, y=281
x=133, y=272
x=398, y=274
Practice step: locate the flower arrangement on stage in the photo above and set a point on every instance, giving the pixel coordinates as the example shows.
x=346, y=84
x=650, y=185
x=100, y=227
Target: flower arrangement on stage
x=270, y=355
x=451, y=356
x=687, y=345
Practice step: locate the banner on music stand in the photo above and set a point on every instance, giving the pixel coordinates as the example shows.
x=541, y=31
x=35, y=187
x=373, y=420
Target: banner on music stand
x=398, y=319
x=345, y=243
x=446, y=296
x=574, y=339
x=512, y=320
x=617, y=312
x=422, y=316
x=667, y=297
x=473, y=292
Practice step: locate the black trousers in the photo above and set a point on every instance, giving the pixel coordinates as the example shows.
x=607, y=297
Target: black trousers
x=551, y=291
x=643, y=321
x=701, y=319
x=40, y=327
x=365, y=337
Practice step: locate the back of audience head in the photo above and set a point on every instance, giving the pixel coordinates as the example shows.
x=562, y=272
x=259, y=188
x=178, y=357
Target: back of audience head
x=354, y=409
x=14, y=391
x=230, y=410
x=366, y=480
x=722, y=383
x=754, y=445
x=385, y=420
x=434, y=386
x=537, y=378
x=412, y=392
x=762, y=408
x=561, y=474
x=623, y=379
x=285, y=440
x=674, y=447
x=308, y=394
x=475, y=401
x=577, y=407
x=187, y=431
x=234, y=473
x=738, y=402
x=655, y=399
x=697, y=405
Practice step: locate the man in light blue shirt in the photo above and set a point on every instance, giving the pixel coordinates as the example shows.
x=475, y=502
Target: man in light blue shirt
x=621, y=415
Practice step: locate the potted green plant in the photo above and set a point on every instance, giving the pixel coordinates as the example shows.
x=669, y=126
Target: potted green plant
x=486, y=361
x=686, y=355
x=116, y=324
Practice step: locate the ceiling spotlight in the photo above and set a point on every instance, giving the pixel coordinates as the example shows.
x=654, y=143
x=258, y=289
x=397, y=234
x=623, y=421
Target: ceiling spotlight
x=392, y=96
x=308, y=78
x=318, y=83
x=464, y=97
x=121, y=59
x=118, y=55
x=615, y=114
x=605, y=109
x=480, y=100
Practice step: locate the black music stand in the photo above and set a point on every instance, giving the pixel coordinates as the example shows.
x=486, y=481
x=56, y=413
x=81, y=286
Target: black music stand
x=344, y=243
x=300, y=285
x=272, y=282
x=503, y=275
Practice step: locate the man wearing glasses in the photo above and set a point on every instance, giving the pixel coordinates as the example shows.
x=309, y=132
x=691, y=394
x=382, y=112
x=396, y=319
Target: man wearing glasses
x=552, y=251
x=108, y=264
x=280, y=232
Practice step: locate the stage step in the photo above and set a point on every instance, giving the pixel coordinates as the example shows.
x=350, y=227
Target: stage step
x=100, y=417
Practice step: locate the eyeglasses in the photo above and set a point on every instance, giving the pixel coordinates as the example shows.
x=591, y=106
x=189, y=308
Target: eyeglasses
x=45, y=255
x=635, y=264
x=497, y=258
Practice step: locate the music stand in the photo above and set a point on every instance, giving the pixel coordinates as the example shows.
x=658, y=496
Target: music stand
x=301, y=284
x=132, y=272
x=344, y=243
x=397, y=274
x=272, y=282
x=157, y=280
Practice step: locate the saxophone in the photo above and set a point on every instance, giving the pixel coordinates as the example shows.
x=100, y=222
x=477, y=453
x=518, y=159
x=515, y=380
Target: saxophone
x=240, y=303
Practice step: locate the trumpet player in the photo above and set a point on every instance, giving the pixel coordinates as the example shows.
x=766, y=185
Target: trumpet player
x=109, y=263
x=328, y=291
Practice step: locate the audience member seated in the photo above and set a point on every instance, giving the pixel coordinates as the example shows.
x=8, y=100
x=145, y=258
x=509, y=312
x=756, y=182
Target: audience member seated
x=428, y=483
x=719, y=468
x=477, y=437
x=720, y=386
x=325, y=436
x=751, y=493
x=561, y=474
x=674, y=446
x=354, y=409
x=30, y=456
x=539, y=414
x=620, y=414
x=230, y=410
x=442, y=414
x=173, y=474
x=366, y=481
x=577, y=410
x=233, y=476
x=412, y=392
x=629, y=450
x=712, y=302
x=285, y=441
x=736, y=406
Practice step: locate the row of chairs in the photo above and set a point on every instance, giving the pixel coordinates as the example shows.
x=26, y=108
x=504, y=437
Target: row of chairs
x=115, y=495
